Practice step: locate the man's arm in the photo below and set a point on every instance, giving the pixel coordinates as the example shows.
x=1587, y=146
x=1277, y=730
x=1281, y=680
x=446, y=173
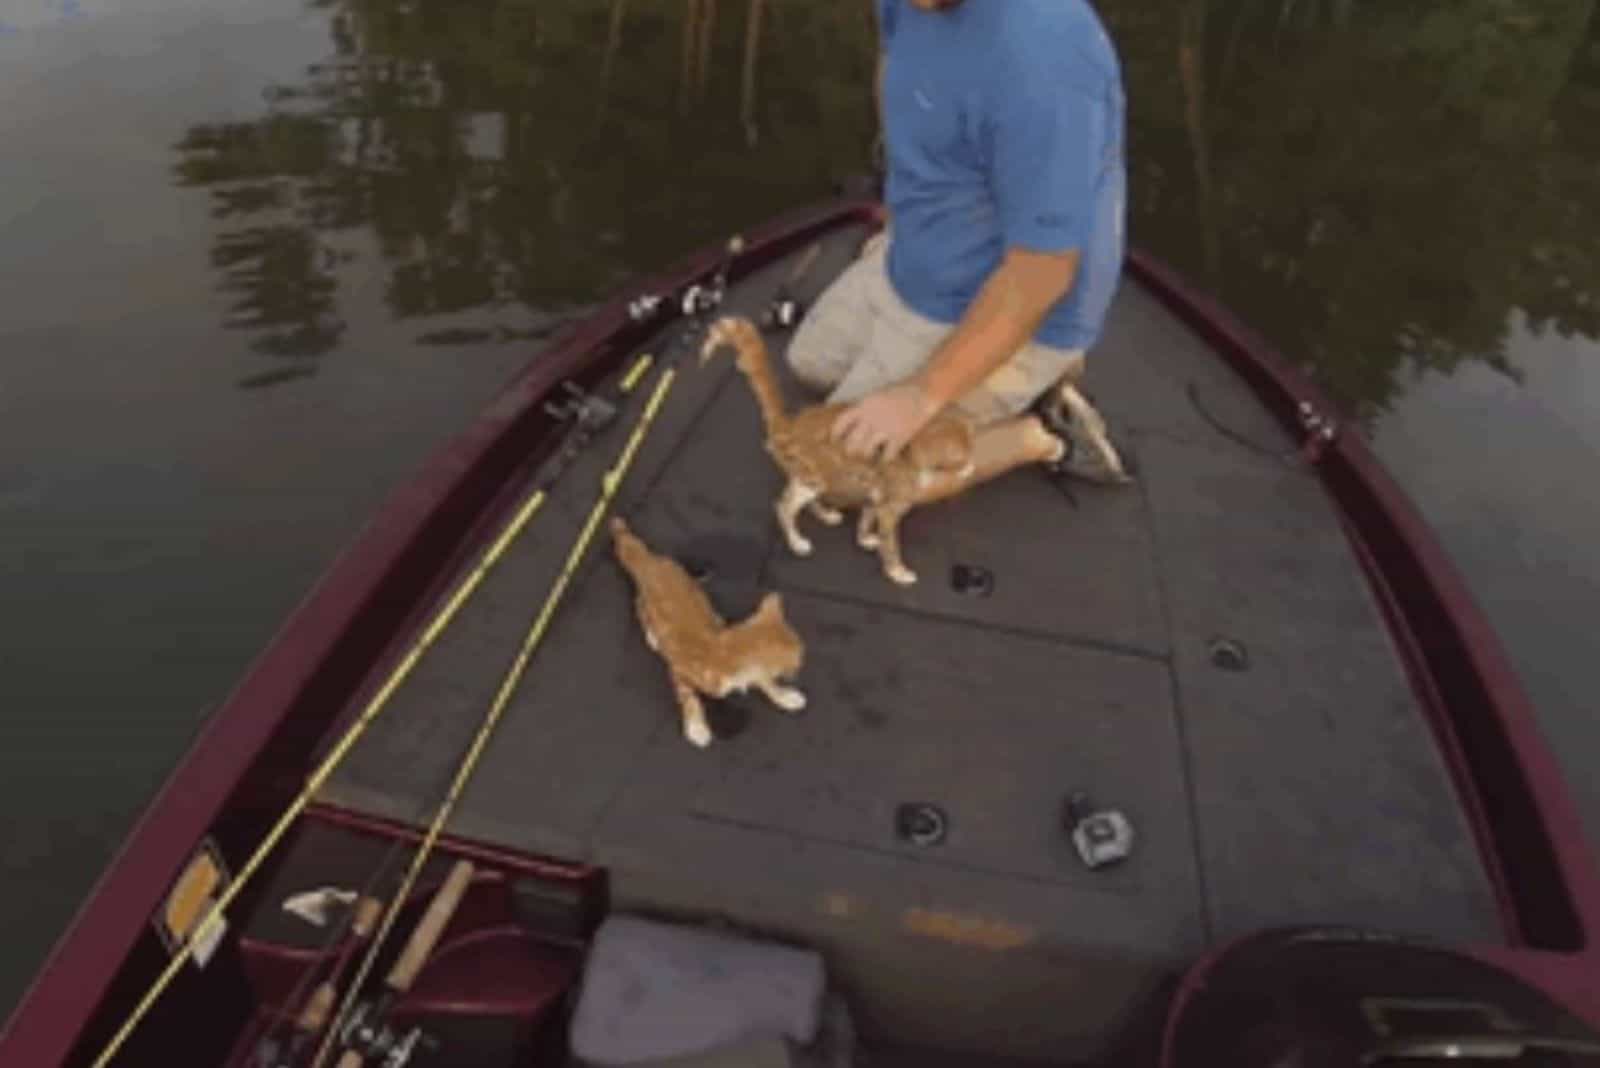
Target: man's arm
x=1001, y=319
x=1043, y=174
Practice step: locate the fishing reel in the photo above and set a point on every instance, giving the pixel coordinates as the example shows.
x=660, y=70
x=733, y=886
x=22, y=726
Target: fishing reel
x=697, y=298
x=369, y=1033
x=784, y=313
x=589, y=412
x=644, y=307
x=273, y=1053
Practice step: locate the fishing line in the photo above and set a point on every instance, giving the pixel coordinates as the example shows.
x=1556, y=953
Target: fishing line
x=697, y=300
x=609, y=483
x=695, y=304
x=307, y=980
x=373, y=708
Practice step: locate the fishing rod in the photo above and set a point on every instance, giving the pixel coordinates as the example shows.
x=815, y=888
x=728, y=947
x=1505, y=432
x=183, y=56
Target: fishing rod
x=373, y=708
x=609, y=483
x=361, y=1026
x=313, y=1016
x=586, y=414
x=367, y=1032
x=695, y=300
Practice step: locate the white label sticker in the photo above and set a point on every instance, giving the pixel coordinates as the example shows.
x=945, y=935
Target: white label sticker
x=208, y=938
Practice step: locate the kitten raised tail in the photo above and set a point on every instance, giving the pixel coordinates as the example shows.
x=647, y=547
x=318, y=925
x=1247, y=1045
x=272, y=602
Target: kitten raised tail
x=753, y=359
x=822, y=473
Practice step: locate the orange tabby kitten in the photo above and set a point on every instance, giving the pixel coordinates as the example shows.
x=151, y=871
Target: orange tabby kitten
x=704, y=655
x=823, y=476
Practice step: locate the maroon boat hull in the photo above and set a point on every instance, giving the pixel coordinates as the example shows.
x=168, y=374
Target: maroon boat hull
x=255, y=751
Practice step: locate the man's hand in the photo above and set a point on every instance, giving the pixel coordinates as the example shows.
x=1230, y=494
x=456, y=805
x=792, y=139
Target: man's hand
x=883, y=422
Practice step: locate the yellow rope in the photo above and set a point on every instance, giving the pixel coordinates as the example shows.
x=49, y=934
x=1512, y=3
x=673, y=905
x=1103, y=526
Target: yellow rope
x=374, y=706
x=502, y=698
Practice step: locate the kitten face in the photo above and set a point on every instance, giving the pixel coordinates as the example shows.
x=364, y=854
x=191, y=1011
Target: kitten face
x=783, y=653
x=703, y=654
x=945, y=446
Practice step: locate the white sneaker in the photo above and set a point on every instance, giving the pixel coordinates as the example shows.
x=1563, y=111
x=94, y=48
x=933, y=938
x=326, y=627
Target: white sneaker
x=1091, y=456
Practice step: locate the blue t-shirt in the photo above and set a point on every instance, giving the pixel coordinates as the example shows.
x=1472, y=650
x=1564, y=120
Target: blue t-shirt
x=1003, y=126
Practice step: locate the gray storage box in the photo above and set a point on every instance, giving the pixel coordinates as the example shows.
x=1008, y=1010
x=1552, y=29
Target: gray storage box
x=653, y=990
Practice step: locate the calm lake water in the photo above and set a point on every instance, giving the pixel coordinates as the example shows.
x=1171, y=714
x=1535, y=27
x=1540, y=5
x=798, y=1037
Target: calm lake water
x=259, y=257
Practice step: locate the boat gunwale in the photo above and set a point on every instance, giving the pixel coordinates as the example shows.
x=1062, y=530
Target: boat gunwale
x=1512, y=788
x=353, y=613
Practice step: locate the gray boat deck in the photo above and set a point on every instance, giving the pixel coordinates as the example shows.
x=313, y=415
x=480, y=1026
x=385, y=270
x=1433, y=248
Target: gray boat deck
x=1306, y=789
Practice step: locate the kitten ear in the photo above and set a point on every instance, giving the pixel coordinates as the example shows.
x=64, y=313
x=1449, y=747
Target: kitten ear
x=771, y=606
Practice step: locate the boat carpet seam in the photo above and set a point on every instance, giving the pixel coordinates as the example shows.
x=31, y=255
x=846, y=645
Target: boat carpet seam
x=1181, y=727
x=1072, y=641
x=624, y=783
x=1075, y=885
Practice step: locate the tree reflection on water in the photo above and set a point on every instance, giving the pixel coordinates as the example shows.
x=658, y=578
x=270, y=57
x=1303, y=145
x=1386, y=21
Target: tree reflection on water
x=1376, y=187
x=505, y=154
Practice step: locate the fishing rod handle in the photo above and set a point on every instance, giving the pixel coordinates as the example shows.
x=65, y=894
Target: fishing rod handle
x=318, y=1007
x=369, y=910
x=430, y=927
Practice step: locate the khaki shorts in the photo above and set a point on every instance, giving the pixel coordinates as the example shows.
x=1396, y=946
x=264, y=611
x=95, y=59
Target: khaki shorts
x=860, y=336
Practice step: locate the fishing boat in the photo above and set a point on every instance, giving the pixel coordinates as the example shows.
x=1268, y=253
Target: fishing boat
x=1219, y=767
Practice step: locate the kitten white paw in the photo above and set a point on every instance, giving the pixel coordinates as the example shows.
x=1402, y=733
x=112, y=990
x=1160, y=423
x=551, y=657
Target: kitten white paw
x=831, y=516
x=699, y=734
x=902, y=575
x=800, y=546
x=790, y=700
x=868, y=542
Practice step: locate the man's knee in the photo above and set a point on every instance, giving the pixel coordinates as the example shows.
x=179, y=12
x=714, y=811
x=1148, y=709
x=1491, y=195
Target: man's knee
x=831, y=336
x=1014, y=386
x=813, y=360
x=1072, y=374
